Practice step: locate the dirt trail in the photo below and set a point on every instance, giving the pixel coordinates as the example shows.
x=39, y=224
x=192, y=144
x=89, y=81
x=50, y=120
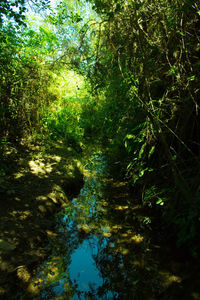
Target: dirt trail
x=39, y=180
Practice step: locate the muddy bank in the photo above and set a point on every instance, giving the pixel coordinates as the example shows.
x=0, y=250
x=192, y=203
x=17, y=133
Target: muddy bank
x=39, y=179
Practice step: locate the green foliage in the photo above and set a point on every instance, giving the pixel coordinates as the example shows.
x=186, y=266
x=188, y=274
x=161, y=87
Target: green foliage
x=147, y=66
x=140, y=60
x=63, y=117
x=156, y=196
x=15, y=10
x=63, y=123
x=24, y=76
x=12, y=10
x=140, y=151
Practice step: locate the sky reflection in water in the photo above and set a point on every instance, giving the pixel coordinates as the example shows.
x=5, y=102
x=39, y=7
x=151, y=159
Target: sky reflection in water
x=81, y=233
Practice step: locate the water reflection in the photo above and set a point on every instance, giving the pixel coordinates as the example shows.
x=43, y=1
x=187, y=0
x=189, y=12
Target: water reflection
x=98, y=254
x=83, y=270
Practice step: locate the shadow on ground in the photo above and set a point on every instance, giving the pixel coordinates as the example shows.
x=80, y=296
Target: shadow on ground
x=39, y=180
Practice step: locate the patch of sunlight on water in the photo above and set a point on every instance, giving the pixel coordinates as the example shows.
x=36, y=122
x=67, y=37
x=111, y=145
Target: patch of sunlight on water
x=99, y=253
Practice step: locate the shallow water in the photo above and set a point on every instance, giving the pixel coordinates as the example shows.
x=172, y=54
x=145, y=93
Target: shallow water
x=72, y=271
x=102, y=250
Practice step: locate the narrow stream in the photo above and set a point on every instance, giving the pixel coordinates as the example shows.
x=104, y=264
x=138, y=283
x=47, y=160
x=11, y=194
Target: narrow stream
x=102, y=249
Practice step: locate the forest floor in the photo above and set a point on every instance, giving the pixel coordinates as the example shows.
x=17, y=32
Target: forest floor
x=39, y=180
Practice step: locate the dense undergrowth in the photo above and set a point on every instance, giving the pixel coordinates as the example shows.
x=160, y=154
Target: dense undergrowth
x=149, y=74
x=128, y=78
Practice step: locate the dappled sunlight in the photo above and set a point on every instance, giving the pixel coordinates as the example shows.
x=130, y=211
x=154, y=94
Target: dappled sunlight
x=120, y=184
x=87, y=220
x=33, y=288
x=106, y=234
x=84, y=227
x=20, y=215
x=40, y=168
x=123, y=252
x=18, y=175
x=99, y=149
x=137, y=238
x=121, y=207
x=104, y=203
x=169, y=278
x=35, y=190
x=129, y=237
x=23, y=274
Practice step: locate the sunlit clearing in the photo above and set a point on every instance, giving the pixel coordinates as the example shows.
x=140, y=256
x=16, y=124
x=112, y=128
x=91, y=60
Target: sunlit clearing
x=68, y=84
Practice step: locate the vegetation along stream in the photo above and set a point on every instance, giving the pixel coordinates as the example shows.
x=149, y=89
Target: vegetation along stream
x=77, y=76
